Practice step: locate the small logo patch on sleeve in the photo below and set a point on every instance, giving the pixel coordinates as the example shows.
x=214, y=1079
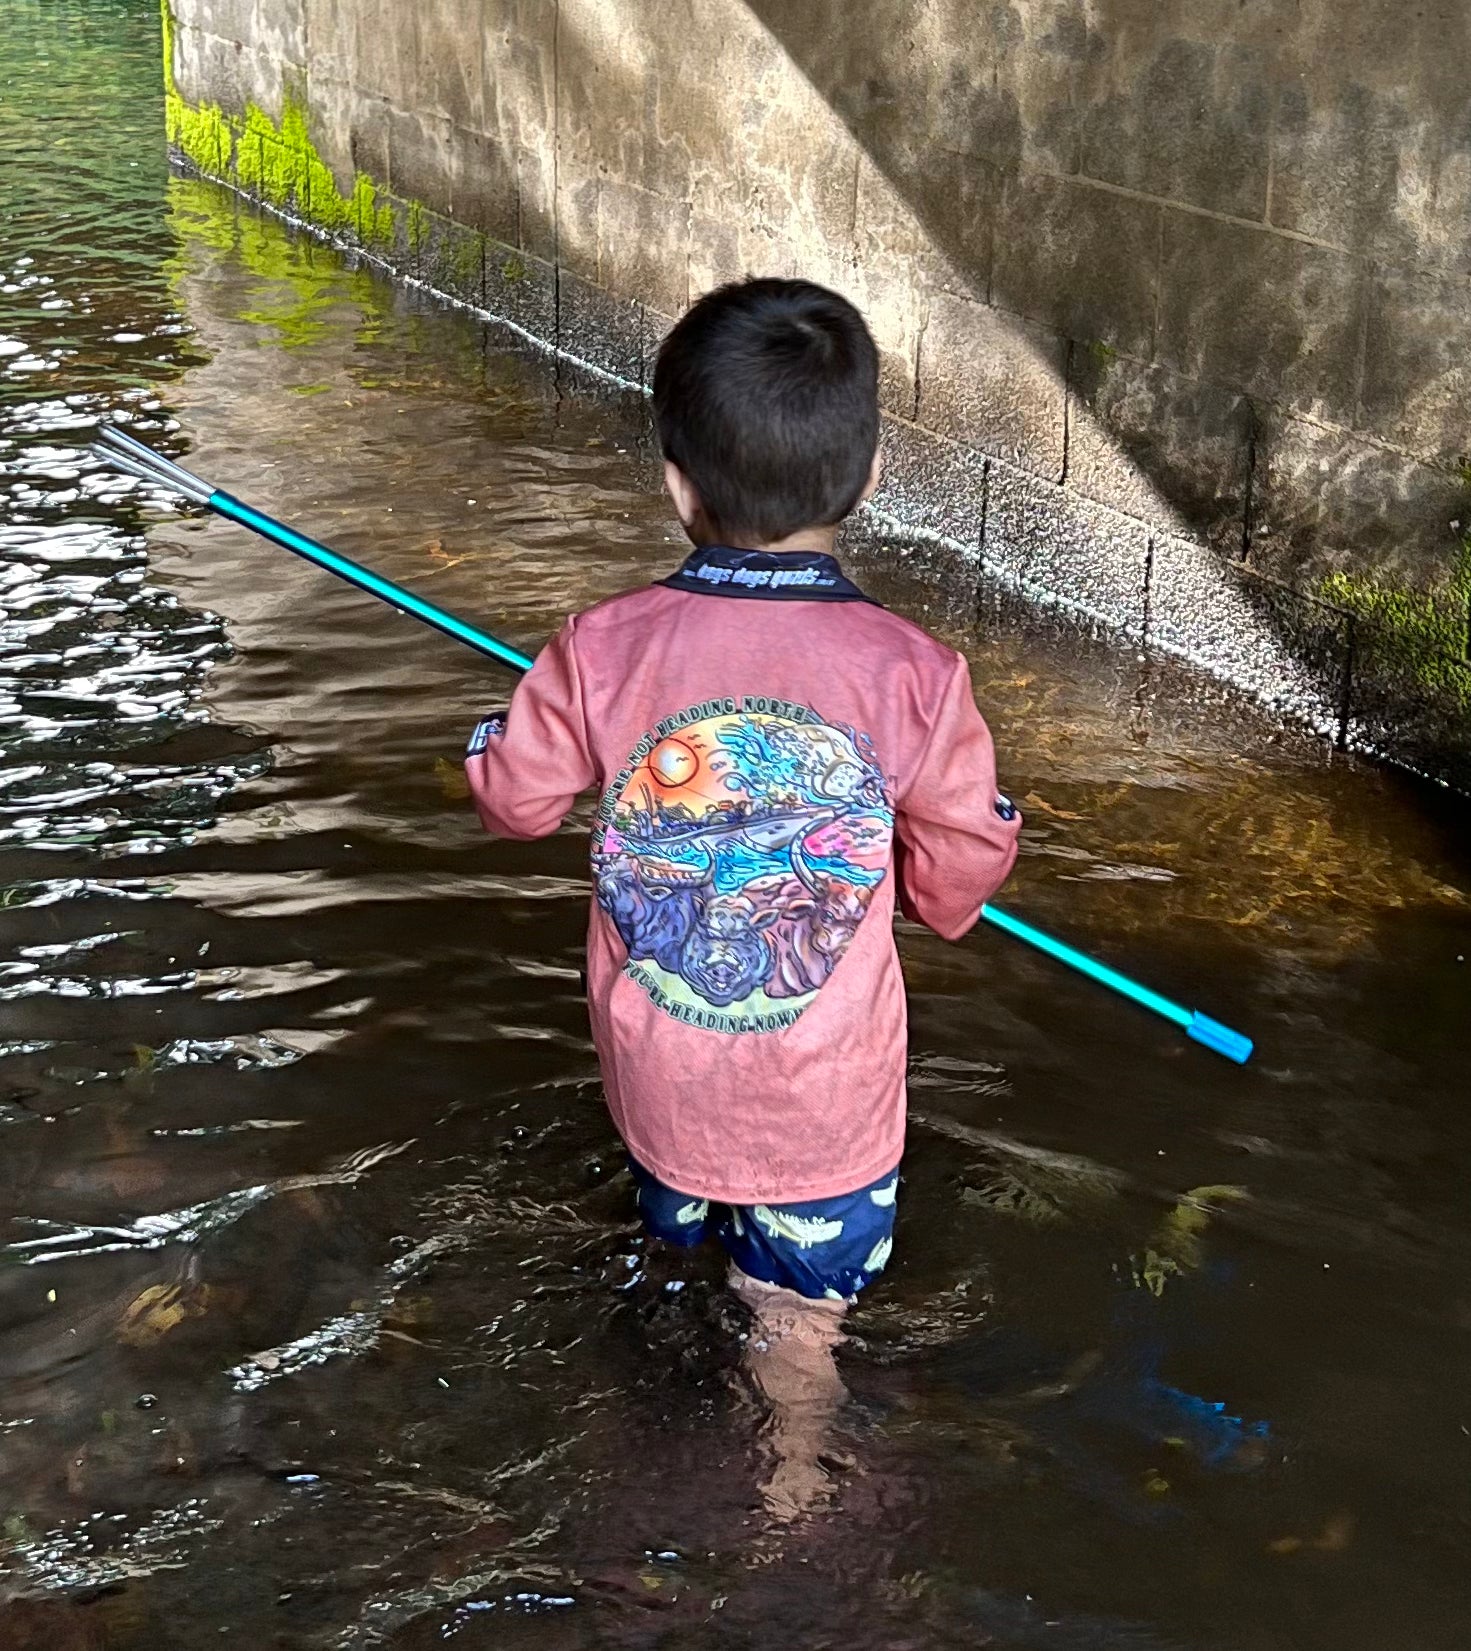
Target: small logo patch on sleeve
x=1005, y=808
x=488, y=728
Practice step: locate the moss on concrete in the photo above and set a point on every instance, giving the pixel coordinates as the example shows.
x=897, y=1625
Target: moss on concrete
x=418, y=229
x=466, y=262
x=1427, y=633
x=374, y=222
x=278, y=163
x=202, y=134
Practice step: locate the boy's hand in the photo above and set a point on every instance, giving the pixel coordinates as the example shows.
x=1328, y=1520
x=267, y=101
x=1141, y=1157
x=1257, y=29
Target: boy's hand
x=491, y=726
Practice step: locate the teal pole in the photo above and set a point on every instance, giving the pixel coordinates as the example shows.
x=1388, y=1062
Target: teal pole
x=224, y=504
x=125, y=452
x=1233, y=1045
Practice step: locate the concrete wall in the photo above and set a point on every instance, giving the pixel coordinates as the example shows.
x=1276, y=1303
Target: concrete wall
x=1150, y=277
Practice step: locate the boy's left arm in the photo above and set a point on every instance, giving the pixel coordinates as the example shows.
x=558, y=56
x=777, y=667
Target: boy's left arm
x=527, y=769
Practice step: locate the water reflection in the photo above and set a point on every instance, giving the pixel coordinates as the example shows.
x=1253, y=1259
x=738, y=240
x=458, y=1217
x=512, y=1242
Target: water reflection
x=320, y=1253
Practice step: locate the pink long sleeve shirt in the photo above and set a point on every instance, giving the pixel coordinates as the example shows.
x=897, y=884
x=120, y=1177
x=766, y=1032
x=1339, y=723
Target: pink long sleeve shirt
x=779, y=761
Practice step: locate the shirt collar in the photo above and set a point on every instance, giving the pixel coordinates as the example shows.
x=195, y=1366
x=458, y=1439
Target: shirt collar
x=786, y=576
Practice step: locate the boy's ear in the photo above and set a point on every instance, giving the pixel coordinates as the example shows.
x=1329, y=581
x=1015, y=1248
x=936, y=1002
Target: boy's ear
x=875, y=476
x=682, y=491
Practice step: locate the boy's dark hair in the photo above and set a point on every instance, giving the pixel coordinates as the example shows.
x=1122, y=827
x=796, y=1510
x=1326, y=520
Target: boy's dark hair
x=766, y=396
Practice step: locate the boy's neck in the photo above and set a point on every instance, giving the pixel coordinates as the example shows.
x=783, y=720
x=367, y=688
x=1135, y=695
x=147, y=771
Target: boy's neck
x=807, y=541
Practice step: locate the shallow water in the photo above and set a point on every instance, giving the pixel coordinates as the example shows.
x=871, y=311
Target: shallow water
x=325, y=1324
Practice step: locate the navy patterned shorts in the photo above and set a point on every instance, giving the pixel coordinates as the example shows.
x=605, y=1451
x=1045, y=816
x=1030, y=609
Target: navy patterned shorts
x=825, y=1248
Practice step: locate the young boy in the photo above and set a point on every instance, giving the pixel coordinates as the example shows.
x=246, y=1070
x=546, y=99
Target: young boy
x=779, y=762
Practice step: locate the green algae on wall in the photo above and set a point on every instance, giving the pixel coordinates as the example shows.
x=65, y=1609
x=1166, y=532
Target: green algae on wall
x=279, y=164
x=1427, y=633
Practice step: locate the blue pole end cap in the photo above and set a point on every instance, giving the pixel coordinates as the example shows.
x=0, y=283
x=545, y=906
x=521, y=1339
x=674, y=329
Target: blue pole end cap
x=1235, y=1046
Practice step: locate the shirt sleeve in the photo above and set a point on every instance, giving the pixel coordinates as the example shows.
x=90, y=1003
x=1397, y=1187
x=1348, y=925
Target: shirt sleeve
x=956, y=836
x=525, y=775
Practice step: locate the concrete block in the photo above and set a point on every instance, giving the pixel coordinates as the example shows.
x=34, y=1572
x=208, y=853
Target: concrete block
x=1152, y=444
x=536, y=176
x=763, y=253
x=1079, y=259
x=403, y=251
x=1289, y=652
x=330, y=30
x=1417, y=362
x=884, y=220
x=1185, y=119
x=279, y=32
x=370, y=132
x=797, y=166
x=604, y=331
x=722, y=250
x=1258, y=312
x=420, y=157
x=1325, y=500
x=385, y=49
x=932, y=486
x=266, y=81
x=998, y=84
x=944, y=230
x=655, y=326
x=605, y=87
x=932, y=581
x=704, y=62
x=442, y=64
x=452, y=260
x=195, y=70
x=1373, y=129
x=1064, y=546
x=577, y=220
x=644, y=246
x=218, y=70
x=715, y=254
x=521, y=289
x=1315, y=636
x=484, y=190
x=1355, y=164
x=332, y=108
x=518, y=54
x=1450, y=212
x=1019, y=105
x=236, y=21
x=883, y=289
x=995, y=382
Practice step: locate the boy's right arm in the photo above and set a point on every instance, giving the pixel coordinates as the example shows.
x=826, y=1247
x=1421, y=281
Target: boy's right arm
x=956, y=836
x=526, y=770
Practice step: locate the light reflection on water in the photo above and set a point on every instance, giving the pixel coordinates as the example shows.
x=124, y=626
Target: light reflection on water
x=324, y=1320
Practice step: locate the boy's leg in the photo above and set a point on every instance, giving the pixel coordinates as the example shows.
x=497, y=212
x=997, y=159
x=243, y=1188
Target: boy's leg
x=789, y=1358
x=797, y=1267
x=792, y=1342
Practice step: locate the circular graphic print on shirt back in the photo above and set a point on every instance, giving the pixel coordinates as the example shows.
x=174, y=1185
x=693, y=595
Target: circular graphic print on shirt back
x=736, y=854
